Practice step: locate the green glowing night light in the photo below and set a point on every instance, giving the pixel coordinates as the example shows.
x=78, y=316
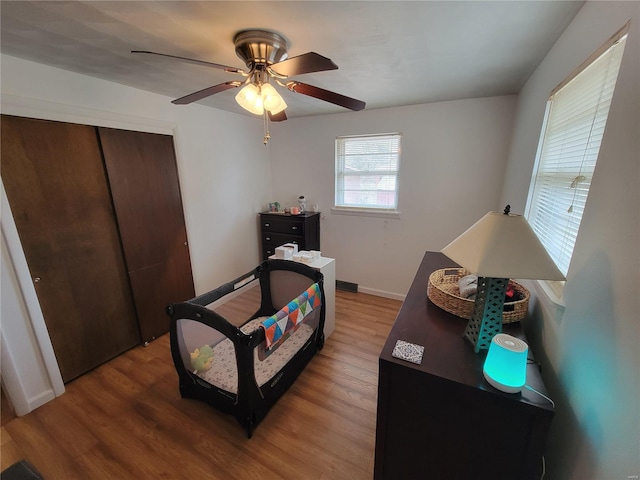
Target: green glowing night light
x=506, y=364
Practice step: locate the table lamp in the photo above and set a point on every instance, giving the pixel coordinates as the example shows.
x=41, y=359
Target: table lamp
x=496, y=248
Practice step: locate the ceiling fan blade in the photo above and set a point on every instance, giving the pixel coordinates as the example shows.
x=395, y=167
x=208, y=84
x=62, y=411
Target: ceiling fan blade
x=278, y=117
x=193, y=60
x=305, y=63
x=194, y=97
x=326, y=95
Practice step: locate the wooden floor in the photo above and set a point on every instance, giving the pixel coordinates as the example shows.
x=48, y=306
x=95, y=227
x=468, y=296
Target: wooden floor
x=126, y=419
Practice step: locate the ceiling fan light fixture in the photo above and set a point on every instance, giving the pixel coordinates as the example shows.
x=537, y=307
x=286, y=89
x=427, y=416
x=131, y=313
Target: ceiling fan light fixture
x=265, y=55
x=249, y=98
x=271, y=99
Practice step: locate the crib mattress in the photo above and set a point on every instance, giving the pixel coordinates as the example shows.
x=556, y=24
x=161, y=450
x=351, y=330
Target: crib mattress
x=224, y=372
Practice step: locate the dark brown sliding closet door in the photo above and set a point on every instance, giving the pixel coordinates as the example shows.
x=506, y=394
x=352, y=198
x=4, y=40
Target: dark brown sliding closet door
x=144, y=184
x=57, y=189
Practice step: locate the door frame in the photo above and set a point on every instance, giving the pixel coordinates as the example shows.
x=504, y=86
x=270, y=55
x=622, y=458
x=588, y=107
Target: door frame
x=15, y=350
x=37, y=343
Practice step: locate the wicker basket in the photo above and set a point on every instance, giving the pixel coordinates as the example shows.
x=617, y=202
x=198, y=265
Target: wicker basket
x=442, y=290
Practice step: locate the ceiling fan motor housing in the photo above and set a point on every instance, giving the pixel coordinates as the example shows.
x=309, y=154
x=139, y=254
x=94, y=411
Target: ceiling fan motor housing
x=260, y=47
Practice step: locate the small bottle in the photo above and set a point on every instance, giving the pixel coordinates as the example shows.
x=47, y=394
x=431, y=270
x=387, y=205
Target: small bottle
x=302, y=202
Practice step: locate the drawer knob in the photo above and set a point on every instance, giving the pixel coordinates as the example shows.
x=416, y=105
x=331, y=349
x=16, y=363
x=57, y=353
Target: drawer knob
x=268, y=238
x=294, y=228
x=266, y=225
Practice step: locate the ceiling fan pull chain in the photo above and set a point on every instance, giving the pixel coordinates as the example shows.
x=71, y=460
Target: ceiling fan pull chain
x=267, y=135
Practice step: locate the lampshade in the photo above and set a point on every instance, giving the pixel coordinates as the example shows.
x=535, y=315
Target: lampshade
x=506, y=364
x=271, y=99
x=503, y=245
x=249, y=98
x=496, y=248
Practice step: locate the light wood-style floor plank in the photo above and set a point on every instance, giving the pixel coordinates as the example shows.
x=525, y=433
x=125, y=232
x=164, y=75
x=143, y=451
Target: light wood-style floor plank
x=126, y=419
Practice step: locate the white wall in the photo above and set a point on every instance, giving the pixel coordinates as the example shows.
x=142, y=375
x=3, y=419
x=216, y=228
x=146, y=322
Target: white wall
x=590, y=354
x=224, y=175
x=451, y=174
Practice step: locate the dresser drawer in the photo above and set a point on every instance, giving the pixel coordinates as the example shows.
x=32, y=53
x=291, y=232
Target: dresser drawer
x=267, y=251
x=277, y=239
x=277, y=224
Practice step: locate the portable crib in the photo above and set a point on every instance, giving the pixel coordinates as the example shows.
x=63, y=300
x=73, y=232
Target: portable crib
x=252, y=365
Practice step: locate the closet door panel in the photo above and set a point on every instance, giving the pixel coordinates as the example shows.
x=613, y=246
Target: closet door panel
x=146, y=193
x=57, y=188
x=170, y=284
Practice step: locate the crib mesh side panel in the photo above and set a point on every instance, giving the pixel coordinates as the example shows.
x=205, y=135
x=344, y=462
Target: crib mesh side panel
x=208, y=353
x=287, y=285
x=239, y=307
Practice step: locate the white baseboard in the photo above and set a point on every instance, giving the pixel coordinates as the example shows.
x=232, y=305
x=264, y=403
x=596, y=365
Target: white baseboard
x=382, y=293
x=40, y=399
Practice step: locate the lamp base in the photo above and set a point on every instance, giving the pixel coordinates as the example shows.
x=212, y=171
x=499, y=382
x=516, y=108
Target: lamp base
x=486, y=321
x=501, y=386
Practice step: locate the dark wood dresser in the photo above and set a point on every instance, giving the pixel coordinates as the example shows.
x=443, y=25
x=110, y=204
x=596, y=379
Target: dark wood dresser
x=441, y=419
x=277, y=229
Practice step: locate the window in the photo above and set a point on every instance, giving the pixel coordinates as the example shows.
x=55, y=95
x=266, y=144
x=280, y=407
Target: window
x=572, y=132
x=367, y=172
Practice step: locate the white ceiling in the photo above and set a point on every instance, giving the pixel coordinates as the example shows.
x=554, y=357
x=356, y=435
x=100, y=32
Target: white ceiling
x=389, y=53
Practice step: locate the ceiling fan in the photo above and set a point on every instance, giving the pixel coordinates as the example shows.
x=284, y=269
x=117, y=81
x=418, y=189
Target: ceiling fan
x=265, y=55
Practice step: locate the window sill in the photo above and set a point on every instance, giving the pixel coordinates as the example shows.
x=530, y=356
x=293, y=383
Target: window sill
x=553, y=291
x=366, y=212
x=551, y=299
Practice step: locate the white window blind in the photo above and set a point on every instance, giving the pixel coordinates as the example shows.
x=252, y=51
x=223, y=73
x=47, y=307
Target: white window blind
x=367, y=171
x=575, y=122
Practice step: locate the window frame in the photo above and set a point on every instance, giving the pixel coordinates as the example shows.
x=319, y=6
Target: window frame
x=342, y=208
x=554, y=289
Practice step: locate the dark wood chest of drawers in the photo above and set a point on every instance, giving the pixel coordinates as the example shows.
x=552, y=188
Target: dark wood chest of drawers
x=277, y=229
x=441, y=419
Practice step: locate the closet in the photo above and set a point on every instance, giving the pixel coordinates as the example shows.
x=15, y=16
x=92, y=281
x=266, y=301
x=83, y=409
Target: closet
x=100, y=220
